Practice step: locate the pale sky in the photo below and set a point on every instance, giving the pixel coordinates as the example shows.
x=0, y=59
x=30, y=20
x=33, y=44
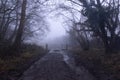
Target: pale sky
x=56, y=28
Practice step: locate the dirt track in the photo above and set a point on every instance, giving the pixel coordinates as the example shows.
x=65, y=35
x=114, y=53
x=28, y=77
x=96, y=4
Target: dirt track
x=54, y=67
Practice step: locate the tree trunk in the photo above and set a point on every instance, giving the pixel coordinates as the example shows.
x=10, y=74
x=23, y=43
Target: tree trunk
x=17, y=42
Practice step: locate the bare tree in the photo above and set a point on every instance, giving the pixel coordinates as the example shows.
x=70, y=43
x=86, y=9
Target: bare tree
x=18, y=20
x=102, y=19
x=18, y=38
x=6, y=14
x=76, y=30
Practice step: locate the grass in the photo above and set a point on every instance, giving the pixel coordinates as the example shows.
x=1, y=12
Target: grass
x=15, y=66
x=99, y=64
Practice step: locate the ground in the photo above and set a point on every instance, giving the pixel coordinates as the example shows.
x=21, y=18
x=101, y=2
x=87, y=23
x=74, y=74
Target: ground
x=54, y=66
x=103, y=66
x=12, y=67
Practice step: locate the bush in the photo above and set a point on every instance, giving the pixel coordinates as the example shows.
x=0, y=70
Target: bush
x=13, y=67
x=103, y=66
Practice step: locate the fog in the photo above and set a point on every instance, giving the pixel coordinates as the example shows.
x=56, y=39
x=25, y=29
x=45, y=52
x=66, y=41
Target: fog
x=55, y=37
x=56, y=34
x=56, y=28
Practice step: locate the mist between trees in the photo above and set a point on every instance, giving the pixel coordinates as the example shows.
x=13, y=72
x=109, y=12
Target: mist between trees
x=93, y=20
x=88, y=22
x=92, y=25
x=20, y=20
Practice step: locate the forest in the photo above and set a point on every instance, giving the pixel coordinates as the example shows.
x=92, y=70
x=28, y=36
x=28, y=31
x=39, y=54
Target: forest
x=92, y=27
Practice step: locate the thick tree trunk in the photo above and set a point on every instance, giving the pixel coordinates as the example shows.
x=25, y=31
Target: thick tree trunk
x=17, y=42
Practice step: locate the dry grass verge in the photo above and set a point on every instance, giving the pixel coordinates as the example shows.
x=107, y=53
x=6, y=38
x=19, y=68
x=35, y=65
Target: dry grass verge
x=12, y=68
x=104, y=67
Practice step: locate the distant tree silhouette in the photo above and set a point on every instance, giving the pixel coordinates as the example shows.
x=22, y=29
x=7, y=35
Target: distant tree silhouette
x=80, y=36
